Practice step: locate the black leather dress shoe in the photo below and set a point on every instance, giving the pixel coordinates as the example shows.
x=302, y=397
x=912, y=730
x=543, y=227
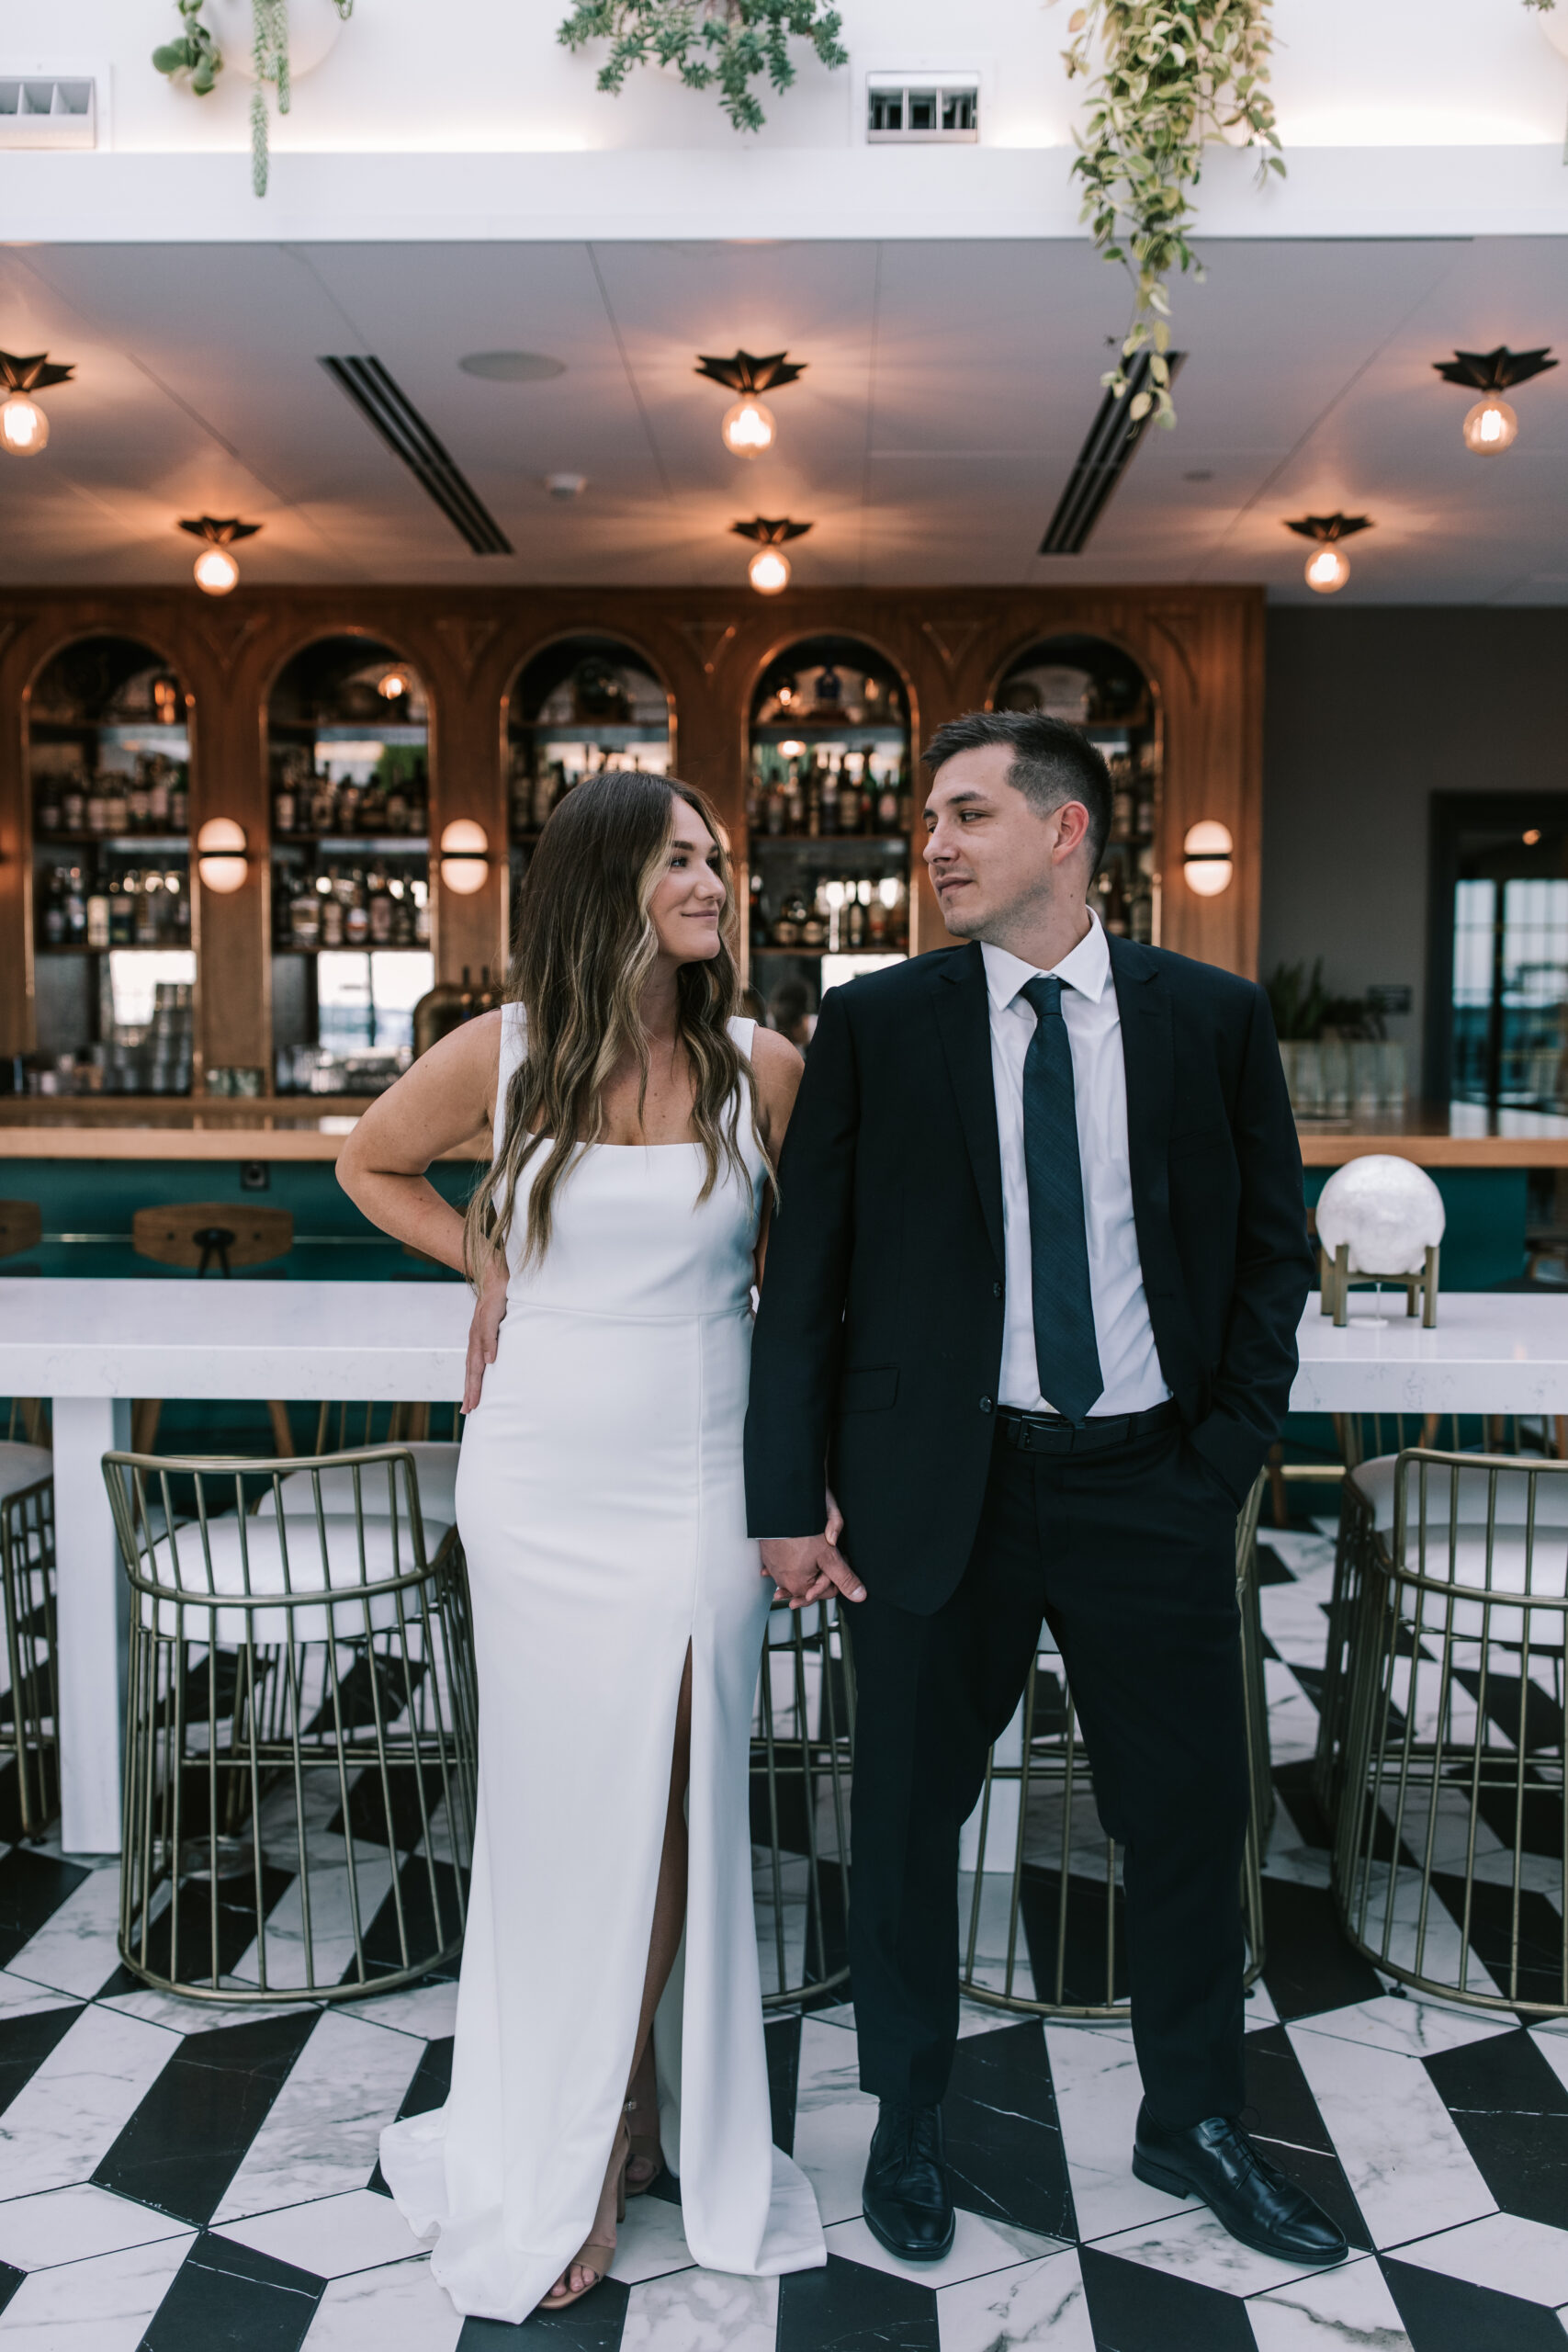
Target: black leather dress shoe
x=1252, y=2199
x=909, y=2205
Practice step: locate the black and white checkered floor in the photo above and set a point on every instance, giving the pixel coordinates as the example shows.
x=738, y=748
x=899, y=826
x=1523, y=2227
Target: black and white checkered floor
x=182, y=2180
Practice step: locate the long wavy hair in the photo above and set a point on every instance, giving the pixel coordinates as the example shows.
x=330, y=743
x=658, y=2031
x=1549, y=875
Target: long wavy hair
x=585, y=947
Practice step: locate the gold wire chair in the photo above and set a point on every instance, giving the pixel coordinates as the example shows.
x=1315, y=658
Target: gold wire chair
x=1074, y=1950
x=27, y=1593
x=801, y=1734
x=301, y=1727
x=1449, y=1857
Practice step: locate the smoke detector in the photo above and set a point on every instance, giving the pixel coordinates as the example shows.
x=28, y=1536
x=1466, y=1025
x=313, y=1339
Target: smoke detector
x=566, y=487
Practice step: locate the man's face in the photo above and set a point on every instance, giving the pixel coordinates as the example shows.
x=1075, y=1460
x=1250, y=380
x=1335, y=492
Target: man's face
x=992, y=857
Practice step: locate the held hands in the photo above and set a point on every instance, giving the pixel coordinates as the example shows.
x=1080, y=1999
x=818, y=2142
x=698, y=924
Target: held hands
x=808, y=1567
x=484, y=1331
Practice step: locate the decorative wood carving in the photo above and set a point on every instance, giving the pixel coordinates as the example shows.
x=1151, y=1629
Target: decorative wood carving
x=468, y=638
x=709, y=639
x=228, y=633
x=952, y=640
x=1162, y=621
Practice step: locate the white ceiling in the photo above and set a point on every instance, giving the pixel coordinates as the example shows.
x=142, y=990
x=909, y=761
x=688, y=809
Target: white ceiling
x=949, y=388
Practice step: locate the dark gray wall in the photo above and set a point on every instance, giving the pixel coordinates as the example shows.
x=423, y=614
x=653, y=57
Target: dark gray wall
x=1367, y=714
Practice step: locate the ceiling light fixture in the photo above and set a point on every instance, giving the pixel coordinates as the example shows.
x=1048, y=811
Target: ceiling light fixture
x=768, y=568
x=392, y=683
x=1491, y=426
x=750, y=426
x=216, y=570
x=24, y=427
x=1328, y=568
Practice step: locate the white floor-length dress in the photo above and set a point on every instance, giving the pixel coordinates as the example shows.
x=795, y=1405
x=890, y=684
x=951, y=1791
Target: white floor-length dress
x=601, y=1505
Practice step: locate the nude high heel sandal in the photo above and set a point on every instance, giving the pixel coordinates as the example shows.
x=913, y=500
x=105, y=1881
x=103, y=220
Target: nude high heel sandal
x=599, y=2251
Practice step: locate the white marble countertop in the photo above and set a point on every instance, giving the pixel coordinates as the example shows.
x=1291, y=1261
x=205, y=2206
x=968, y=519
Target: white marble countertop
x=373, y=1341
x=1491, y=1351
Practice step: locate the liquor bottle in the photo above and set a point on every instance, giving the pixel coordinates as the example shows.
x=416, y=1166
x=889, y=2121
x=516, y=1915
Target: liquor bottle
x=1144, y=819
x=74, y=803
x=422, y=914
x=887, y=804
x=55, y=909
x=179, y=902
x=304, y=915
x=757, y=921
x=814, y=930
x=119, y=914
x=49, y=805
x=331, y=916
x=816, y=824
x=849, y=799
x=794, y=801
x=284, y=806
x=1141, y=914
x=136, y=798
x=348, y=817
x=829, y=788
x=75, y=908
x=906, y=797
x=97, y=822
x=179, y=801
x=380, y=910
x=357, y=914
x=373, y=807
x=158, y=795
x=397, y=820
x=754, y=796
x=790, y=918
x=98, y=918
x=144, y=893
x=543, y=797
x=854, y=926
x=117, y=807
x=1124, y=808
x=323, y=806
x=777, y=810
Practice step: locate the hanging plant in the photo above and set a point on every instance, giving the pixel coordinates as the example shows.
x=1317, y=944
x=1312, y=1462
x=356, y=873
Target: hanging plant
x=1170, y=75
x=198, y=53
x=723, y=42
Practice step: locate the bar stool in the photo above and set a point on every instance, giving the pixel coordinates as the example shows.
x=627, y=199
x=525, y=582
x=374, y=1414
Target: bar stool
x=801, y=1734
x=1370, y=1445
x=1037, y=1816
x=300, y=1728
x=199, y=1235
x=27, y=1587
x=342, y=1425
x=1449, y=1864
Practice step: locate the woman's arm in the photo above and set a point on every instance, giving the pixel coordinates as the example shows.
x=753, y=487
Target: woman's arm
x=777, y=1068
x=444, y=1100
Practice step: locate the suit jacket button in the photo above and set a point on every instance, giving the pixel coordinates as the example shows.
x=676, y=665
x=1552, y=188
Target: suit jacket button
x=984, y=1404
x=996, y=1290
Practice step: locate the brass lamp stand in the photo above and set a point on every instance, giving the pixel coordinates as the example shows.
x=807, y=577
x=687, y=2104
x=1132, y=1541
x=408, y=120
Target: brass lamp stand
x=1336, y=1280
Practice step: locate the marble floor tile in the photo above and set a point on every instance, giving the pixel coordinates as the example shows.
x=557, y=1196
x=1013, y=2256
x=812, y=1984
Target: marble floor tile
x=73, y=2108
x=101, y=2305
x=1289, y=1856
x=1349, y=2307
x=650, y=2242
x=182, y=2014
x=1038, y=2305
x=321, y=2133
x=1414, y=2028
x=979, y=2247
x=1258, y=2010
x=330, y=2236
x=1098, y=2092
x=75, y=1949
x=702, y=2311
x=833, y=2119
x=1506, y=2251
x=21, y=1996
x=1190, y=2244
x=1408, y=2168
x=75, y=2224
x=332, y=1922
x=397, y=2308
x=427, y=2011
x=1292, y=1718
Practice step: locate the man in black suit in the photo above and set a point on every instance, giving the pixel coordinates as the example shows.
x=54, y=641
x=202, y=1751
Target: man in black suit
x=1031, y=1310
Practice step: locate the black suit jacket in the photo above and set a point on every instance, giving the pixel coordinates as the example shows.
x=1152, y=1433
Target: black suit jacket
x=878, y=1346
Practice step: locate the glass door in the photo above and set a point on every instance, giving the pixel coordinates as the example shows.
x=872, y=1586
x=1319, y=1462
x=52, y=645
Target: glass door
x=348, y=749
x=108, y=762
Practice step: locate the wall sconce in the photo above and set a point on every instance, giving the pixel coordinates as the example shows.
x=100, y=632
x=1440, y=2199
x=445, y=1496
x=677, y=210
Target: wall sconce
x=1206, y=859
x=215, y=568
x=465, y=856
x=24, y=427
x=222, y=855
x=768, y=568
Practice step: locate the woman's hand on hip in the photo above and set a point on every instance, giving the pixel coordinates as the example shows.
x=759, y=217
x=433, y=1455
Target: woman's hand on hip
x=484, y=1331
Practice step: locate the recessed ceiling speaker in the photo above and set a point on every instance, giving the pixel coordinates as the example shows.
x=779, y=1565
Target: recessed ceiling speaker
x=566, y=487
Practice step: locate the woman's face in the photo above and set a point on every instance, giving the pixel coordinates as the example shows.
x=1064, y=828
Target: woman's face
x=688, y=900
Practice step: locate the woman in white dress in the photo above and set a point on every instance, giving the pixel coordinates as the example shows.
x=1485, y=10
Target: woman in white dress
x=618, y=1607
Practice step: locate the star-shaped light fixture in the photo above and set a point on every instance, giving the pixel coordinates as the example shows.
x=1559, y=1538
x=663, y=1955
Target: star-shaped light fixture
x=749, y=427
x=1328, y=568
x=768, y=568
x=216, y=570
x=1491, y=426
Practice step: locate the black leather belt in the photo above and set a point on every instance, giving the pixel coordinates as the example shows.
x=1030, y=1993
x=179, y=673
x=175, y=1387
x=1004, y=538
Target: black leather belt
x=1050, y=1433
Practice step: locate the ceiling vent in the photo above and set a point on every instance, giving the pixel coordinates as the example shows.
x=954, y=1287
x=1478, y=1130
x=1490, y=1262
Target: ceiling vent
x=44, y=110
x=918, y=109
x=384, y=404
x=1102, y=462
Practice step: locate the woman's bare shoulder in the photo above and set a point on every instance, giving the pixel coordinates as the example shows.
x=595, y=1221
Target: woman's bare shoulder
x=777, y=1066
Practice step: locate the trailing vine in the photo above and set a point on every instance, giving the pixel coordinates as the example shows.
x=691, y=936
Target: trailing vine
x=727, y=43
x=196, y=53
x=1171, y=76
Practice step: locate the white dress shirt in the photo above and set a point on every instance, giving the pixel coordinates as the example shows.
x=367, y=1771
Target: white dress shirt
x=1123, y=1334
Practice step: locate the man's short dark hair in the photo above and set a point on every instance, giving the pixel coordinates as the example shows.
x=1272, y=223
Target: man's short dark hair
x=1051, y=762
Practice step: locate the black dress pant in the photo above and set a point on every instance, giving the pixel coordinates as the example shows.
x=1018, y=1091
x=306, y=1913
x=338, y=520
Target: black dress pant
x=1130, y=1553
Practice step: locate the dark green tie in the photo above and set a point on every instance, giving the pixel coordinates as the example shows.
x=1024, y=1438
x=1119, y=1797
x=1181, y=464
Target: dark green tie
x=1065, y=1352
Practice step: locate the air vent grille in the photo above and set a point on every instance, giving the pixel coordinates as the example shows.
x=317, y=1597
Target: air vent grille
x=1102, y=462
x=383, y=403
x=47, y=111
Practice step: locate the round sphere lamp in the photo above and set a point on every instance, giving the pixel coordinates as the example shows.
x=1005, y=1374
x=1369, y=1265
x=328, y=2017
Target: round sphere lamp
x=223, y=857
x=465, y=856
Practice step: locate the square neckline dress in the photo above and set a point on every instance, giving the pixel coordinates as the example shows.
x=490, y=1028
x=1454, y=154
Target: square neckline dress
x=601, y=1507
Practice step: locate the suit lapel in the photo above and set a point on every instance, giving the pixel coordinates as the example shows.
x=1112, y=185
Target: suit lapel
x=963, y=1023
x=1148, y=1060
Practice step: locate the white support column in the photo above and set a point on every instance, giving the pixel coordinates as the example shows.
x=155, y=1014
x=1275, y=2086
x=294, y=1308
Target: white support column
x=91, y=1646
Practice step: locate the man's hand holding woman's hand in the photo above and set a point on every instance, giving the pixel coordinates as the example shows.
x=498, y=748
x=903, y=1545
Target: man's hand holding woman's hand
x=484, y=1331
x=808, y=1567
